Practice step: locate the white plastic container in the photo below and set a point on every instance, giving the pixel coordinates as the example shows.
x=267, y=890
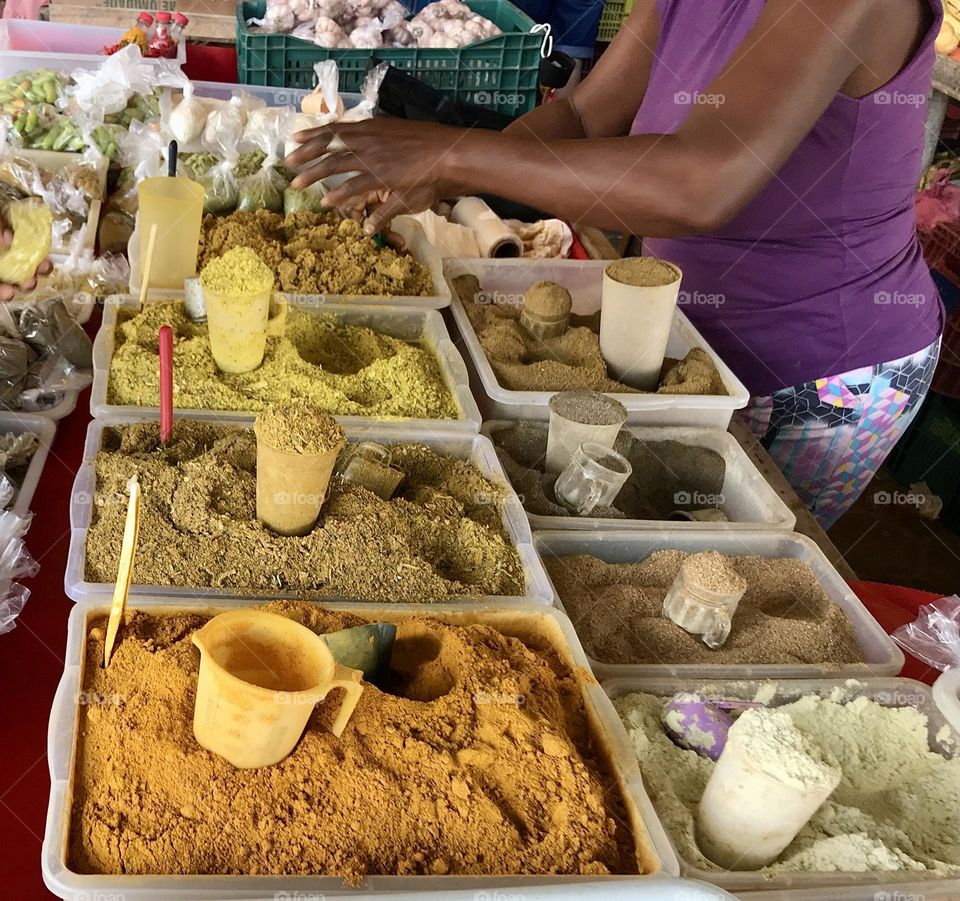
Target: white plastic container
x=892, y=886
x=505, y=281
x=45, y=430
x=748, y=500
x=32, y=44
x=61, y=742
x=474, y=448
x=883, y=657
x=415, y=241
x=423, y=327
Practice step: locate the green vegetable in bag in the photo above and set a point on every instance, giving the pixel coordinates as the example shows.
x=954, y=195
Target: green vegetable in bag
x=311, y=199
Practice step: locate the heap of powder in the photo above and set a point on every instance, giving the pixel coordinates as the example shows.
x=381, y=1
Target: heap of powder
x=588, y=407
x=572, y=360
x=346, y=370
x=643, y=272
x=299, y=427
x=441, y=536
x=477, y=756
x=713, y=572
x=666, y=475
x=897, y=807
x=238, y=271
x=785, y=616
x=548, y=300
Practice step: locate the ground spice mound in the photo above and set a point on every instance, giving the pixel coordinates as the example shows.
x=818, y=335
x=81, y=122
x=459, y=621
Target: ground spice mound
x=479, y=760
x=441, y=536
x=343, y=369
x=897, y=807
x=643, y=272
x=238, y=271
x=299, y=428
x=547, y=299
x=785, y=616
x=316, y=253
x=712, y=571
x=572, y=360
x=667, y=475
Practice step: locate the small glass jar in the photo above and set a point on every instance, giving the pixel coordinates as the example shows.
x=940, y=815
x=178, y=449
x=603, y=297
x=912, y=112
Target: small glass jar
x=593, y=478
x=368, y=464
x=701, y=610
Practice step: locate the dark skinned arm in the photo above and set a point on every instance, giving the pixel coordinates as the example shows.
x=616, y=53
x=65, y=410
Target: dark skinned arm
x=777, y=84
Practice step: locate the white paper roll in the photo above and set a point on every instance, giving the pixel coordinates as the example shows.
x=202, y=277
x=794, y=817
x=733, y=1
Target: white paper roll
x=494, y=237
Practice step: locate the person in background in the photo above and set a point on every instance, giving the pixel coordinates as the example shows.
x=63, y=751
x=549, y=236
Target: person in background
x=573, y=26
x=770, y=149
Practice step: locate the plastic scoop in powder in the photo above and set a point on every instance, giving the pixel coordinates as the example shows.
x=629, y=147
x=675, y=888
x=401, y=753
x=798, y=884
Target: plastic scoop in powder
x=297, y=449
x=260, y=677
x=704, y=597
x=769, y=781
x=237, y=291
x=577, y=417
x=594, y=478
x=546, y=310
x=368, y=464
x=698, y=723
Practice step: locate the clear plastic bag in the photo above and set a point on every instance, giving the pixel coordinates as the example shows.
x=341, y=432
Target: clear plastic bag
x=16, y=360
x=264, y=189
x=108, y=88
x=13, y=602
x=934, y=636
x=49, y=329
x=48, y=382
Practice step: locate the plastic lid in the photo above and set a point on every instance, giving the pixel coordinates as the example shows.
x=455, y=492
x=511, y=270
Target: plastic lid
x=180, y=19
x=146, y=17
x=163, y=17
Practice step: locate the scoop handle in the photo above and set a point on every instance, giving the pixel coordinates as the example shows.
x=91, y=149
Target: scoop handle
x=348, y=679
x=166, y=383
x=277, y=324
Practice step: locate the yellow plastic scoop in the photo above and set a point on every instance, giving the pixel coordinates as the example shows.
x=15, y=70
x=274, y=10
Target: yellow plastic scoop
x=260, y=677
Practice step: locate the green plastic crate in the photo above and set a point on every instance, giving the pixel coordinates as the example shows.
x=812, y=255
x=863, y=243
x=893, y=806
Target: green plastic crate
x=613, y=15
x=499, y=73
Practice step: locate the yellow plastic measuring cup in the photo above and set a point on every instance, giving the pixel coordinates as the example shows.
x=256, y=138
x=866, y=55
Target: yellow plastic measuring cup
x=240, y=324
x=260, y=677
x=175, y=206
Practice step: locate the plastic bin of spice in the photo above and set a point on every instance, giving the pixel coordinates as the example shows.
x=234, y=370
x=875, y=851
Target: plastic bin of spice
x=837, y=886
x=415, y=242
x=45, y=430
x=746, y=497
x=506, y=281
x=425, y=328
x=538, y=623
x=32, y=44
x=474, y=448
x=882, y=656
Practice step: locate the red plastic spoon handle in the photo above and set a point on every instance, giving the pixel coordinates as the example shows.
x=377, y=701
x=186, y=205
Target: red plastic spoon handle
x=166, y=383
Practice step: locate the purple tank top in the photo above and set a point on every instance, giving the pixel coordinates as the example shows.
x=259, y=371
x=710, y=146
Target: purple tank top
x=797, y=289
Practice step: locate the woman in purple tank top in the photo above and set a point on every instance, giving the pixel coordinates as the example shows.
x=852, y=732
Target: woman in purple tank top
x=770, y=148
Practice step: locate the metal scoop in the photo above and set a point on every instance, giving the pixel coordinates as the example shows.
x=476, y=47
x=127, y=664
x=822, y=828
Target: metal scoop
x=366, y=648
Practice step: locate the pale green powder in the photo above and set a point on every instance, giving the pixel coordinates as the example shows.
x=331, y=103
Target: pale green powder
x=897, y=807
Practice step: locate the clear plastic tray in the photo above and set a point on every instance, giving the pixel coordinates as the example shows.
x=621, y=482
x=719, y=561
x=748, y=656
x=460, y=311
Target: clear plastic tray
x=415, y=241
x=45, y=430
x=896, y=886
x=423, y=327
x=748, y=499
x=519, y=621
x=883, y=656
x=505, y=281
x=474, y=448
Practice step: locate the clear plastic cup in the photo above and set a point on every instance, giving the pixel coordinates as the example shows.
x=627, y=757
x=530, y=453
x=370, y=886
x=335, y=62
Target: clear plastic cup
x=260, y=677
x=175, y=206
x=291, y=487
x=239, y=325
x=578, y=417
x=699, y=610
x=368, y=464
x=594, y=477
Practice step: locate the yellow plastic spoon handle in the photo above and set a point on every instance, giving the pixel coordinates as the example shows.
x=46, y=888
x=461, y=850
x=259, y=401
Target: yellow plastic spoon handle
x=128, y=549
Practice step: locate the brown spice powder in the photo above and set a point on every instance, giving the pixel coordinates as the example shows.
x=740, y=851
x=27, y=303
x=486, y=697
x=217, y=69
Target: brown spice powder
x=712, y=571
x=480, y=760
x=442, y=536
x=785, y=616
x=643, y=272
x=299, y=427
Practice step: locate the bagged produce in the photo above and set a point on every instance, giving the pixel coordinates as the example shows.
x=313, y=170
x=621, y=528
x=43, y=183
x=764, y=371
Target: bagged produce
x=32, y=226
x=16, y=357
x=264, y=189
x=48, y=328
x=311, y=199
x=220, y=184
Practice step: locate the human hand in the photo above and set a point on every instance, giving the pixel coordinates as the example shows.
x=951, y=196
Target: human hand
x=400, y=166
x=8, y=292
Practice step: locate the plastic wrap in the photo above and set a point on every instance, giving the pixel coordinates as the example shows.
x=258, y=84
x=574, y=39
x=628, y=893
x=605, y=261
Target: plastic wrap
x=16, y=358
x=220, y=183
x=310, y=199
x=11, y=606
x=15, y=563
x=934, y=636
x=108, y=88
x=263, y=190
x=49, y=328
